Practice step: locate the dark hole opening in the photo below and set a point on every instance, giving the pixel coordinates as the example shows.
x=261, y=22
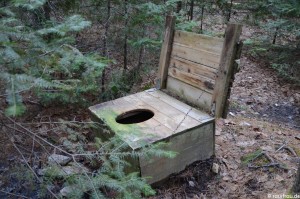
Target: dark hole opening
x=135, y=116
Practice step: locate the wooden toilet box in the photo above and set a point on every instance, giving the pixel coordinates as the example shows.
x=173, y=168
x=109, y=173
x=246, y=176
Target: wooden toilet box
x=197, y=69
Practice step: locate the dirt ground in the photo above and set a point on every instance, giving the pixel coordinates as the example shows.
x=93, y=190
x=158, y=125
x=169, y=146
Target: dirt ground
x=257, y=123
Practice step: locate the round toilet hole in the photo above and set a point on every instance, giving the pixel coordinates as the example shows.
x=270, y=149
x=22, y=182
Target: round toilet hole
x=134, y=116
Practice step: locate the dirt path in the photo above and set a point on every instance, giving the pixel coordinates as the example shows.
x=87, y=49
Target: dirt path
x=257, y=91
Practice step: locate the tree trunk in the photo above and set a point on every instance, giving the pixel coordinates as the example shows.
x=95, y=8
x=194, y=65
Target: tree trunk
x=202, y=16
x=229, y=11
x=3, y=3
x=47, y=11
x=104, y=41
x=275, y=36
x=179, y=6
x=141, y=53
x=296, y=187
x=125, y=34
x=192, y=10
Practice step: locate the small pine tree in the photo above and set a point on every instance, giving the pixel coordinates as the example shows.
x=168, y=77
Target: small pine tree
x=42, y=58
x=117, y=176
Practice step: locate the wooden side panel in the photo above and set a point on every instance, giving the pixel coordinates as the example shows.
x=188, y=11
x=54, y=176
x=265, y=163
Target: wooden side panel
x=198, y=41
x=226, y=69
x=192, y=67
x=196, y=55
x=192, y=145
x=190, y=93
x=236, y=68
x=166, y=51
x=197, y=81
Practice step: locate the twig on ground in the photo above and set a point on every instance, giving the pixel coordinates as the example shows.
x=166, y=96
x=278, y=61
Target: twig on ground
x=271, y=164
x=281, y=147
x=284, y=146
x=291, y=150
x=268, y=157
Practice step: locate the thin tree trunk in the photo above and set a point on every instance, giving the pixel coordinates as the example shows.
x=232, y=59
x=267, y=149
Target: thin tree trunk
x=141, y=53
x=229, y=11
x=179, y=6
x=275, y=36
x=47, y=11
x=126, y=34
x=192, y=10
x=104, y=41
x=202, y=16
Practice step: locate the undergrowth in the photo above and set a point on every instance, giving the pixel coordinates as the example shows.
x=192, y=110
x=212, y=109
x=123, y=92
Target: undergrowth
x=283, y=59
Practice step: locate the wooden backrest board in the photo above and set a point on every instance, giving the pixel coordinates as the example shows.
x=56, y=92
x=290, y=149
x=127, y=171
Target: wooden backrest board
x=199, y=68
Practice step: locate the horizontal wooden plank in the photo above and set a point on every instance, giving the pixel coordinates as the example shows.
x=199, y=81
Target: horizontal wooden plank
x=195, y=80
x=192, y=67
x=199, y=41
x=192, y=112
x=195, y=55
x=190, y=93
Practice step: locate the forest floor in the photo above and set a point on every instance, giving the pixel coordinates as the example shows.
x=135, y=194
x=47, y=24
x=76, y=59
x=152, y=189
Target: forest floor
x=263, y=119
x=257, y=146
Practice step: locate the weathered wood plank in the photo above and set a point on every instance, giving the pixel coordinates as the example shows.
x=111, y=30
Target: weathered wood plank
x=199, y=41
x=147, y=132
x=163, y=113
x=236, y=68
x=195, y=80
x=161, y=117
x=192, y=67
x=226, y=69
x=192, y=112
x=169, y=122
x=195, y=55
x=168, y=115
x=166, y=51
x=190, y=93
x=154, y=130
x=155, y=125
x=193, y=145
